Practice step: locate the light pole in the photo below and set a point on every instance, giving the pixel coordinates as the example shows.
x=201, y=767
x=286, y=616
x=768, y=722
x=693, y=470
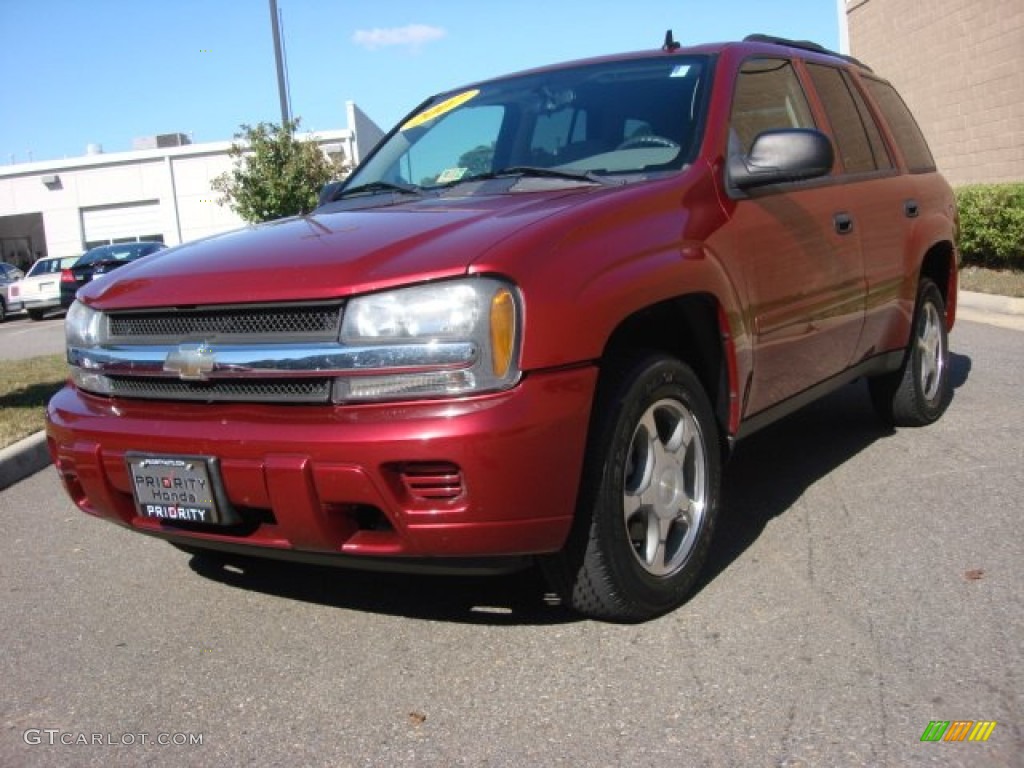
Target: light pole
x=281, y=89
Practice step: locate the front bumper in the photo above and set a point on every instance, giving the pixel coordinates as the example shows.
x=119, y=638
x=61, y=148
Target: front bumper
x=478, y=477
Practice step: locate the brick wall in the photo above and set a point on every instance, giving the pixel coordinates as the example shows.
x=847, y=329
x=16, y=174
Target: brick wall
x=959, y=64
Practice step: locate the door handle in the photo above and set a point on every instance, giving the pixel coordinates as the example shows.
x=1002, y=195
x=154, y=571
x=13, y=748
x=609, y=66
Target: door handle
x=843, y=223
x=911, y=209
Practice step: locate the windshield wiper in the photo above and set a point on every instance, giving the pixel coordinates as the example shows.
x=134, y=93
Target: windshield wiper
x=550, y=173
x=376, y=186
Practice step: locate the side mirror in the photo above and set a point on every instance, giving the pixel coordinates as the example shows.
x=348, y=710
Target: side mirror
x=327, y=192
x=793, y=154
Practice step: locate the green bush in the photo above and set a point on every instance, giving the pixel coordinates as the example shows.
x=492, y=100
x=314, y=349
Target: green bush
x=992, y=225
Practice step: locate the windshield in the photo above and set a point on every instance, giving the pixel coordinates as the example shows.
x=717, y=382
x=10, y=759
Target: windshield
x=628, y=117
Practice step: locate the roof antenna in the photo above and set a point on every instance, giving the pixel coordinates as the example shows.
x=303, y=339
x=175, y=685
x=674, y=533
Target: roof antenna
x=670, y=44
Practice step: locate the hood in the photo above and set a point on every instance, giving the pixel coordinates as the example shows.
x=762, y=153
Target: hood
x=328, y=255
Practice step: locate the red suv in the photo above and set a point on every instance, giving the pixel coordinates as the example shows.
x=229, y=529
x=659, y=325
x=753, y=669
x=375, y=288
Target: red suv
x=529, y=327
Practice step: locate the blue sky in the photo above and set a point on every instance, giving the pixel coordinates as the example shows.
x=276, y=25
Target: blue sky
x=108, y=71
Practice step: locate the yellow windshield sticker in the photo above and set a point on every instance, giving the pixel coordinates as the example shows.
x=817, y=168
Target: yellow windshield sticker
x=439, y=109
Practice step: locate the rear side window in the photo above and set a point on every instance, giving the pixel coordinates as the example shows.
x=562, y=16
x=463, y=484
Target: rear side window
x=45, y=267
x=857, y=137
x=768, y=97
x=903, y=126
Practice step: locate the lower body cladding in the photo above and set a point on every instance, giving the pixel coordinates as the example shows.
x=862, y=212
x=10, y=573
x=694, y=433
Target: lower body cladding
x=398, y=485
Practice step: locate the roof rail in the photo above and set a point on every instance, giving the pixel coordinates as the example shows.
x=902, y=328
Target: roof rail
x=804, y=45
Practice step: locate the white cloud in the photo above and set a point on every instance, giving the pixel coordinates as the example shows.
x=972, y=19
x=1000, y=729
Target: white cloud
x=412, y=36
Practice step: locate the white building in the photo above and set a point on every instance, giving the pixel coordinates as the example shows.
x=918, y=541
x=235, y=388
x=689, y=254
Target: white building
x=63, y=207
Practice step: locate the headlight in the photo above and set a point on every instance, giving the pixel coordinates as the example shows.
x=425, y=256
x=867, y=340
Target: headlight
x=83, y=329
x=442, y=311
x=83, y=326
x=474, y=321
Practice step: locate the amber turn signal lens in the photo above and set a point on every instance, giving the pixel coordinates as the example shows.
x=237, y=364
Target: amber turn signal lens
x=503, y=332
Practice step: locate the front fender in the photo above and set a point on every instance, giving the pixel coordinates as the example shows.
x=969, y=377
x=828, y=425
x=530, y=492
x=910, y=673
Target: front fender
x=586, y=271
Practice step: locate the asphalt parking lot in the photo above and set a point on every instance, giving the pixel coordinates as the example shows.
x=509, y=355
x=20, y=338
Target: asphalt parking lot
x=21, y=337
x=863, y=584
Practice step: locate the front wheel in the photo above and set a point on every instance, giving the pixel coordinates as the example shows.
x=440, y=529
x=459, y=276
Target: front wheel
x=919, y=393
x=649, y=495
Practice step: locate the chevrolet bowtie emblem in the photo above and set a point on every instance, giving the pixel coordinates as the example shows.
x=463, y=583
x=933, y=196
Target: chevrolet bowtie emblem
x=190, y=361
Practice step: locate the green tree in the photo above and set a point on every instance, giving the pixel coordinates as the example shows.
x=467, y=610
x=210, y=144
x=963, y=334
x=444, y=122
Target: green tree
x=275, y=174
x=478, y=160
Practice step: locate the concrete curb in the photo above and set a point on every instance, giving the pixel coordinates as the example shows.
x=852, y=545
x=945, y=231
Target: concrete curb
x=987, y=308
x=23, y=458
x=28, y=456
x=987, y=302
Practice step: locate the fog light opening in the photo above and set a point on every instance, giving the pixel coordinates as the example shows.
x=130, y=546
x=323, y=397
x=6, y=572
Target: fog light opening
x=369, y=518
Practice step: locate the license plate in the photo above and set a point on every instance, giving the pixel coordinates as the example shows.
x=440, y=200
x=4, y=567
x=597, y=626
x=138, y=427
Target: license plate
x=178, y=489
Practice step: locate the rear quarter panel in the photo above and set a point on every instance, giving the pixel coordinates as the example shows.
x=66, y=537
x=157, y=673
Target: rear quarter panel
x=894, y=270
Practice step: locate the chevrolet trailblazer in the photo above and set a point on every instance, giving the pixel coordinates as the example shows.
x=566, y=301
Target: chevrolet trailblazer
x=528, y=327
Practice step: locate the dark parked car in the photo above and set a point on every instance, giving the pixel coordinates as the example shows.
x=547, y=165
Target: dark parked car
x=98, y=261
x=532, y=324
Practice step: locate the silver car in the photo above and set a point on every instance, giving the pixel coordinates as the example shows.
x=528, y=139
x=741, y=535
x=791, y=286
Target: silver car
x=10, y=301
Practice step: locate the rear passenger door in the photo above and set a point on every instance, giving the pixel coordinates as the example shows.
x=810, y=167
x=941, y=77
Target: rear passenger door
x=879, y=199
x=798, y=248
x=910, y=198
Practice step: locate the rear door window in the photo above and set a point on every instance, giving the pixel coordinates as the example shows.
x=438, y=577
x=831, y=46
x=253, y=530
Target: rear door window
x=857, y=137
x=44, y=267
x=903, y=126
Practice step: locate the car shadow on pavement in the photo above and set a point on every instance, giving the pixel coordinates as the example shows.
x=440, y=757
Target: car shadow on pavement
x=520, y=598
x=771, y=469
x=768, y=473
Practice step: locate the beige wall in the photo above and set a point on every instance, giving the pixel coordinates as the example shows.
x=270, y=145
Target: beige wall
x=959, y=64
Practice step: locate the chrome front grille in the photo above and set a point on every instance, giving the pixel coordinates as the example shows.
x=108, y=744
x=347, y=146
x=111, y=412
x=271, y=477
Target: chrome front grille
x=305, y=322
x=137, y=342
x=275, y=353
x=315, y=390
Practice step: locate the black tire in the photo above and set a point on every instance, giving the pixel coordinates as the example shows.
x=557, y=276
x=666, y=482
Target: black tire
x=653, y=450
x=36, y=314
x=3, y=311
x=920, y=391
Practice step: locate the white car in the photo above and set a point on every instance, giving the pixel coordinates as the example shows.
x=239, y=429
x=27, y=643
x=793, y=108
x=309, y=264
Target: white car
x=39, y=290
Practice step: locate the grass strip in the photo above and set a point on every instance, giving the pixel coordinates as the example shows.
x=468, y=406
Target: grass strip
x=25, y=388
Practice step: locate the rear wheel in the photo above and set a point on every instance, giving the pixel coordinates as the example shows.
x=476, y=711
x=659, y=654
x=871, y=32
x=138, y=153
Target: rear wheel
x=919, y=393
x=649, y=495
x=36, y=314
